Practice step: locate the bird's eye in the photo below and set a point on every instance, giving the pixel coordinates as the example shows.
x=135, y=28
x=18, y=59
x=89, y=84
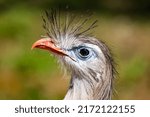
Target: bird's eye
x=84, y=52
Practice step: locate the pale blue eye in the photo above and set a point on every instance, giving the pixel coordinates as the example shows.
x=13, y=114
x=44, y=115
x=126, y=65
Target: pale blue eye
x=83, y=52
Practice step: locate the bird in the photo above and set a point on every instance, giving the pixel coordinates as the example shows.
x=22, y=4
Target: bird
x=87, y=58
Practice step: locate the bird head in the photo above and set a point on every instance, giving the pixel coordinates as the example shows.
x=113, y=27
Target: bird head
x=85, y=56
x=80, y=55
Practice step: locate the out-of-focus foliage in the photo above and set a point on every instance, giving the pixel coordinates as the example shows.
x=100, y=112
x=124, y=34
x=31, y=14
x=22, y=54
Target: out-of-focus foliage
x=26, y=74
x=138, y=6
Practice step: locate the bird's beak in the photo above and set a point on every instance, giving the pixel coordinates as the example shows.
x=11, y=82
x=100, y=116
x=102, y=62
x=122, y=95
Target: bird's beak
x=48, y=44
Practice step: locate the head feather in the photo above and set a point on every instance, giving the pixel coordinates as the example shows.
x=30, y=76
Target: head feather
x=60, y=26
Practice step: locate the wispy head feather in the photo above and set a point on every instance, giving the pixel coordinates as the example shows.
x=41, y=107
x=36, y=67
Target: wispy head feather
x=61, y=25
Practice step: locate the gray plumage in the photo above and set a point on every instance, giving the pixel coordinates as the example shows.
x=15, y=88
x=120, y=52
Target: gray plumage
x=92, y=75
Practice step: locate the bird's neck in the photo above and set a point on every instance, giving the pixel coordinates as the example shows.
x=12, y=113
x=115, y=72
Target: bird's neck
x=84, y=89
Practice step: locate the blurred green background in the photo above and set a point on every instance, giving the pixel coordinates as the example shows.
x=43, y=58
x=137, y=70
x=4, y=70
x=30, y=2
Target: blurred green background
x=26, y=74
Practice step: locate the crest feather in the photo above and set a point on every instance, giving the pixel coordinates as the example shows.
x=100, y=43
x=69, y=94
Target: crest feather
x=60, y=25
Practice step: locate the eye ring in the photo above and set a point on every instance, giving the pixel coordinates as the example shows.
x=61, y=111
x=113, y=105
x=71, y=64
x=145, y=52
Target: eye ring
x=83, y=52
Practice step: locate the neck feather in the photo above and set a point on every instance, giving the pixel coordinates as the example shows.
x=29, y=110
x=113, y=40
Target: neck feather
x=86, y=89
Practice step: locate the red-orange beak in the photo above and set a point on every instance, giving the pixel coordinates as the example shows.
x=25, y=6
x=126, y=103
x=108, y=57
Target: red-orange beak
x=48, y=44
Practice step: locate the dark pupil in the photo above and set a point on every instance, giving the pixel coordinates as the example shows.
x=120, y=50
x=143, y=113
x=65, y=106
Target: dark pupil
x=84, y=52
